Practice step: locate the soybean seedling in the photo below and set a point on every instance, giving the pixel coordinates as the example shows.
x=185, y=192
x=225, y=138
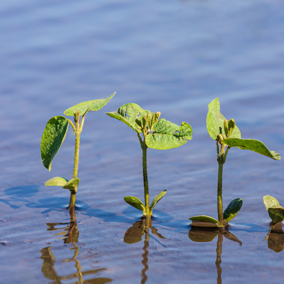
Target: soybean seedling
x=275, y=210
x=227, y=135
x=54, y=135
x=152, y=133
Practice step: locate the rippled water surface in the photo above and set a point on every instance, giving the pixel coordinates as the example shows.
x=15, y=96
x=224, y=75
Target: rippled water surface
x=168, y=56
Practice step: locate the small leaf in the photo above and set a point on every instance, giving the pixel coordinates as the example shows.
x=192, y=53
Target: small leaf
x=72, y=184
x=253, y=145
x=138, y=121
x=52, y=139
x=167, y=135
x=231, y=127
x=232, y=209
x=203, y=218
x=270, y=201
x=128, y=114
x=276, y=213
x=203, y=235
x=56, y=181
x=87, y=106
x=135, y=202
x=157, y=198
x=144, y=121
x=155, y=119
x=226, y=127
x=215, y=121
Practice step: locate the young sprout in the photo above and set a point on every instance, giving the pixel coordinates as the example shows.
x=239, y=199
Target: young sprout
x=275, y=211
x=53, y=136
x=152, y=133
x=227, y=135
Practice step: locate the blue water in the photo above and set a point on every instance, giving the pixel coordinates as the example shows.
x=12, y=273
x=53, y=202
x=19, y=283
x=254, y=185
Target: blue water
x=168, y=56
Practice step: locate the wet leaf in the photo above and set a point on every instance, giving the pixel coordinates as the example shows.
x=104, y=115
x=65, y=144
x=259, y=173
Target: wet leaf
x=203, y=235
x=270, y=201
x=253, y=145
x=72, y=184
x=232, y=209
x=56, y=181
x=203, y=218
x=215, y=122
x=167, y=135
x=87, y=106
x=128, y=114
x=135, y=202
x=276, y=213
x=52, y=139
x=157, y=198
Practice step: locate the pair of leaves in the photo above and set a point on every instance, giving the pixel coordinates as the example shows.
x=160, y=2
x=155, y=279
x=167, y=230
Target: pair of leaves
x=71, y=184
x=215, y=126
x=56, y=129
x=163, y=134
x=275, y=211
x=229, y=214
x=138, y=204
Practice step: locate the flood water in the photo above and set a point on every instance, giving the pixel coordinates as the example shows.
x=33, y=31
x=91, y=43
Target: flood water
x=168, y=56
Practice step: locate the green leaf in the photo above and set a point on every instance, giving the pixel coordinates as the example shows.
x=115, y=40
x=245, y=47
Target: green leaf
x=203, y=235
x=270, y=201
x=87, y=106
x=52, y=139
x=276, y=213
x=253, y=145
x=135, y=202
x=72, y=184
x=215, y=122
x=167, y=135
x=128, y=113
x=56, y=181
x=203, y=218
x=232, y=209
x=157, y=198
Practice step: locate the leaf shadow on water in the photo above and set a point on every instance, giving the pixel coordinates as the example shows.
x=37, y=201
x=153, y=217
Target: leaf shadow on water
x=203, y=235
x=134, y=235
x=70, y=236
x=275, y=237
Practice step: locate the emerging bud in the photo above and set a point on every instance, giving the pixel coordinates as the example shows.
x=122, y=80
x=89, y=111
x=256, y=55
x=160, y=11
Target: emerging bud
x=144, y=121
x=231, y=125
x=226, y=128
x=149, y=119
x=155, y=118
x=137, y=120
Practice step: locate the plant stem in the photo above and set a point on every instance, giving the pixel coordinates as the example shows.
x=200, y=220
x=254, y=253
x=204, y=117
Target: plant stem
x=219, y=195
x=76, y=156
x=145, y=179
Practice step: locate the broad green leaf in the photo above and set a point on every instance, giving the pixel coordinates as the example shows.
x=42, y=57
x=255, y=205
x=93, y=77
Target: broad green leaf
x=215, y=122
x=232, y=209
x=128, y=113
x=203, y=218
x=157, y=198
x=167, y=135
x=52, y=139
x=203, y=235
x=72, y=184
x=270, y=201
x=253, y=145
x=276, y=213
x=87, y=106
x=56, y=181
x=135, y=202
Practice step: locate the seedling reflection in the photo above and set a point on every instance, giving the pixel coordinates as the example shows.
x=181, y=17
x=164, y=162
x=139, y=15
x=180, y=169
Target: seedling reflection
x=134, y=235
x=202, y=235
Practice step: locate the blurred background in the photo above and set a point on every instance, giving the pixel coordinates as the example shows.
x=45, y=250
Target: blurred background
x=168, y=56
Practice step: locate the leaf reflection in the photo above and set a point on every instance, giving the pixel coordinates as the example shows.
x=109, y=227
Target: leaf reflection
x=275, y=237
x=70, y=233
x=203, y=235
x=134, y=235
